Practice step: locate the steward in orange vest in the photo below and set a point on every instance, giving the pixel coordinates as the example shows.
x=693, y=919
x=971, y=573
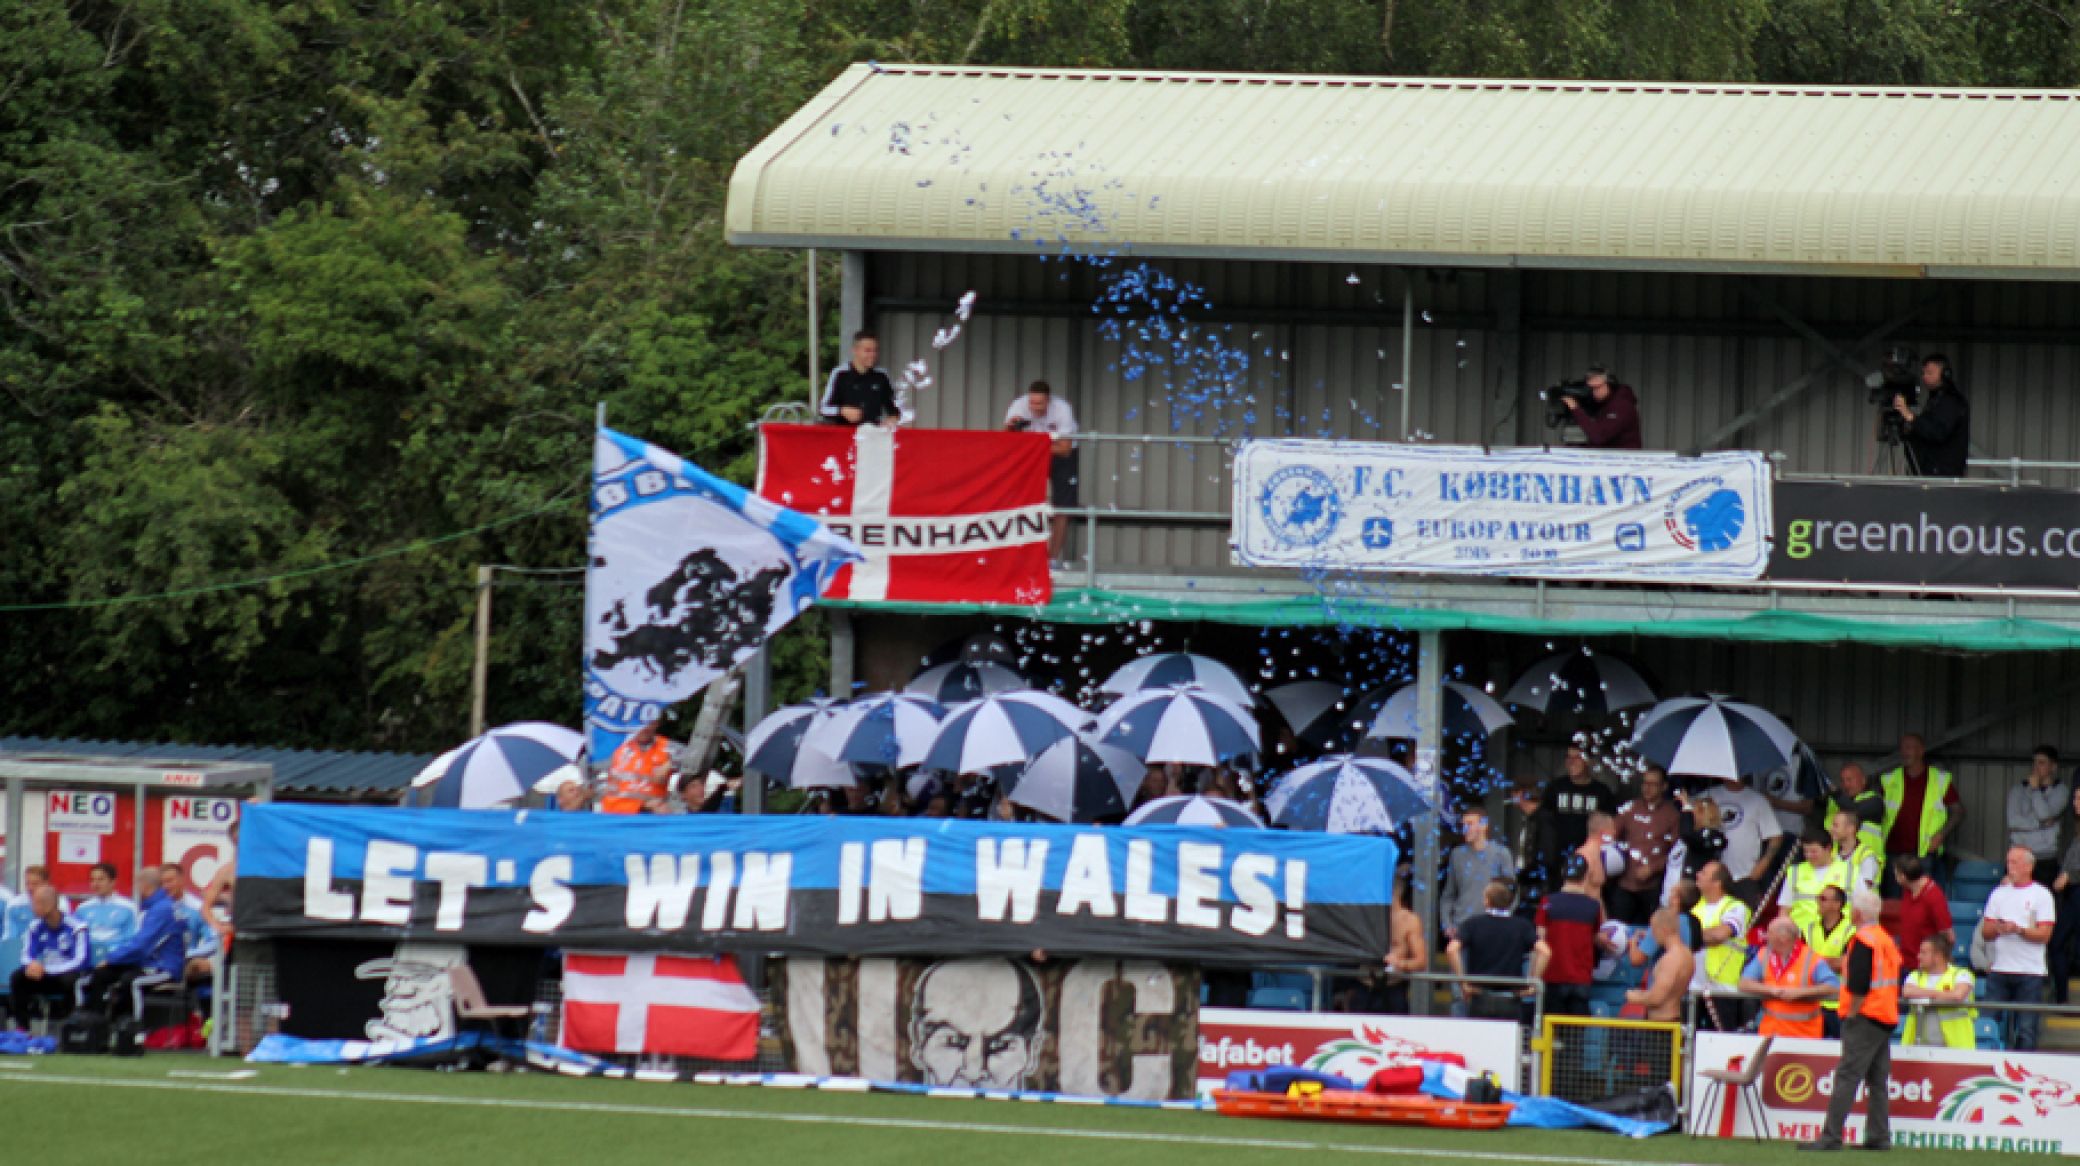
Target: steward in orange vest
x=638, y=772
x=1791, y=980
x=1870, y=1011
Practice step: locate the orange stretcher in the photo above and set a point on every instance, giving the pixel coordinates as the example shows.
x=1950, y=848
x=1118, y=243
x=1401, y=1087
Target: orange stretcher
x=1386, y=1109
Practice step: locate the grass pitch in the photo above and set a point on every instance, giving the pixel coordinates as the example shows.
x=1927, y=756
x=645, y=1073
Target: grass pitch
x=174, y=1110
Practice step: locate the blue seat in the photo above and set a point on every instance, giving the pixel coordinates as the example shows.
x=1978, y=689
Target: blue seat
x=1278, y=999
x=1977, y=870
x=1287, y=981
x=1971, y=894
x=1987, y=1031
x=1966, y=915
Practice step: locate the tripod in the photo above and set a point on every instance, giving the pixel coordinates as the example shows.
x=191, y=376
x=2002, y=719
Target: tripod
x=1890, y=453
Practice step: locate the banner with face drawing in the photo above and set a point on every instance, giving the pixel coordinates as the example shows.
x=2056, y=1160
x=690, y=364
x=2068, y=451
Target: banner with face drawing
x=811, y=885
x=1095, y=1028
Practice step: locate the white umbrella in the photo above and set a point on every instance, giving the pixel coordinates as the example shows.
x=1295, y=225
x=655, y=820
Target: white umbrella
x=499, y=767
x=1346, y=795
x=890, y=729
x=963, y=681
x=1189, y=726
x=1171, y=669
x=774, y=745
x=1009, y=728
x=1076, y=780
x=1712, y=736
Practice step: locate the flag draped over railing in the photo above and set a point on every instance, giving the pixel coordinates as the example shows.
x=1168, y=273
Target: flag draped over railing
x=688, y=575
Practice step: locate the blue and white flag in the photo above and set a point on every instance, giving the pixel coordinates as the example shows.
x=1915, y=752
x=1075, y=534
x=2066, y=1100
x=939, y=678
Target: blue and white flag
x=688, y=576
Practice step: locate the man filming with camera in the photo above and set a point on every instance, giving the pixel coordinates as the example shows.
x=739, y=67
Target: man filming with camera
x=1939, y=432
x=1609, y=417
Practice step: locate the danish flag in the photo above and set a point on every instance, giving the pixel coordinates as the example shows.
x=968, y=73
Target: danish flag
x=686, y=1006
x=943, y=515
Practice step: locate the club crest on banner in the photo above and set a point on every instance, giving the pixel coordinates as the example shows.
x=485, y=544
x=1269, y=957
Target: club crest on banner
x=418, y=997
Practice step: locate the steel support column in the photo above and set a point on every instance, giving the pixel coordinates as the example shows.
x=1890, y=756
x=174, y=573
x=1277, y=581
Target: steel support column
x=1429, y=740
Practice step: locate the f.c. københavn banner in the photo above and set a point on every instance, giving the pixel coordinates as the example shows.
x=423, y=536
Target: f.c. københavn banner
x=1462, y=510
x=811, y=885
x=689, y=575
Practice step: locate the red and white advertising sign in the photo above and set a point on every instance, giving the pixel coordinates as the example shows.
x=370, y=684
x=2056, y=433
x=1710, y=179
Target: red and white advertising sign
x=1348, y=1044
x=1941, y=1099
x=943, y=515
x=197, y=835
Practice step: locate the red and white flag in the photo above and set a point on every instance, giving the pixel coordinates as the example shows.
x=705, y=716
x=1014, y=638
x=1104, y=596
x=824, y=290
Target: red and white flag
x=943, y=515
x=676, y=1005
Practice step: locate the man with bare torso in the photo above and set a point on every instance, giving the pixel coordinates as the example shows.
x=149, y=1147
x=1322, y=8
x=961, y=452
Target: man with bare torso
x=1670, y=980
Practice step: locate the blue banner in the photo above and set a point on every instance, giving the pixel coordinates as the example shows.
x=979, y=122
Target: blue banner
x=812, y=885
x=688, y=576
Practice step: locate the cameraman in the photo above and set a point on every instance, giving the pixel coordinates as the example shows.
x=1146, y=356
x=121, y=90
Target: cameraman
x=1940, y=432
x=1610, y=419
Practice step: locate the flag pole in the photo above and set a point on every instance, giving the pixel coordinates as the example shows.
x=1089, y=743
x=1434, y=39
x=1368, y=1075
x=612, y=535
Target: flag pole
x=588, y=765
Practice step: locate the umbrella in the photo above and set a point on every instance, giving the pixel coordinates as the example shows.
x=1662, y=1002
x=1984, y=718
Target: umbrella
x=1593, y=683
x=1712, y=736
x=499, y=767
x=1313, y=709
x=980, y=648
x=1803, y=780
x=1077, y=780
x=1195, y=810
x=1468, y=712
x=951, y=684
x=1008, y=728
x=774, y=746
x=1189, y=726
x=1346, y=795
x=891, y=729
x=1170, y=669
x=552, y=781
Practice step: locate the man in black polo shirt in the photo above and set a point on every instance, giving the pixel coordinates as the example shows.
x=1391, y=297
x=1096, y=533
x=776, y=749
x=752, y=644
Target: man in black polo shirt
x=1496, y=943
x=859, y=393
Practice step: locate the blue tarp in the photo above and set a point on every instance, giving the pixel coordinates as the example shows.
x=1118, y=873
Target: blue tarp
x=291, y=1050
x=1545, y=1113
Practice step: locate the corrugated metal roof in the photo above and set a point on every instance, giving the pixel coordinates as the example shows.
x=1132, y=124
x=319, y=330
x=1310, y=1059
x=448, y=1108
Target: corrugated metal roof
x=305, y=771
x=1891, y=182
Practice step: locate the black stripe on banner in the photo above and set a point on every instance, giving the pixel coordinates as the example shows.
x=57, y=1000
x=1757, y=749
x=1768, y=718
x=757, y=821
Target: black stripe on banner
x=808, y=925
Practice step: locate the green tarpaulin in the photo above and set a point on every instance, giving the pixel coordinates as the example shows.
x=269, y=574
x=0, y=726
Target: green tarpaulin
x=1098, y=606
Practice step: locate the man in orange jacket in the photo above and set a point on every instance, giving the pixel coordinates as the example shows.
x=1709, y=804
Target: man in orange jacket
x=1791, y=981
x=638, y=776
x=1870, y=1011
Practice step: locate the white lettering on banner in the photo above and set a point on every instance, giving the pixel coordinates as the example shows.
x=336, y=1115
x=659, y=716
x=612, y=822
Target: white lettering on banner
x=991, y=531
x=1373, y=506
x=878, y=882
x=1008, y=883
x=1352, y=1046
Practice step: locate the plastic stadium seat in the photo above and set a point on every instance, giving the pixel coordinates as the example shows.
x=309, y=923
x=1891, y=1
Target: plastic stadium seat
x=1280, y=999
x=1988, y=1031
x=1287, y=981
x=1977, y=870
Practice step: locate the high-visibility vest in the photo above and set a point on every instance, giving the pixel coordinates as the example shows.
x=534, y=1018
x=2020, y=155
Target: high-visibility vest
x=1954, y=1021
x=1829, y=945
x=1933, y=814
x=635, y=775
x=1806, y=883
x=1881, y=1003
x=1871, y=834
x=1722, y=962
x=1857, y=857
x=1791, y=1017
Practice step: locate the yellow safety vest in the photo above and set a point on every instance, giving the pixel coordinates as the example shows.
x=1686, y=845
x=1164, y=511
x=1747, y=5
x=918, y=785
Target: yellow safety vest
x=1933, y=814
x=1806, y=885
x=1954, y=1021
x=1864, y=851
x=1722, y=962
x=1830, y=945
x=1871, y=834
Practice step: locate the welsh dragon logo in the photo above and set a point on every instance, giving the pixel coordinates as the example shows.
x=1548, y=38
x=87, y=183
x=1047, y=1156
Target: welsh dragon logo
x=2013, y=1096
x=1366, y=1051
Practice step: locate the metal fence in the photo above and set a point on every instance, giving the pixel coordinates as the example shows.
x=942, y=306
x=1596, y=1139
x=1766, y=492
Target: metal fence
x=1589, y=1058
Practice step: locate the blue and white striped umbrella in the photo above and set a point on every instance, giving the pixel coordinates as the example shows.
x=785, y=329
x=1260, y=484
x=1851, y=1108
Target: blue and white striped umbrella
x=1346, y=795
x=963, y=681
x=1713, y=736
x=1009, y=728
x=497, y=768
x=1468, y=712
x=889, y=729
x=1171, y=669
x=774, y=746
x=1078, y=780
x=1189, y=726
x=1195, y=810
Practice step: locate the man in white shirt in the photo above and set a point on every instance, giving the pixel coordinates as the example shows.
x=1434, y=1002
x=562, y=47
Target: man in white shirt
x=1040, y=411
x=2017, y=925
x=1753, y=836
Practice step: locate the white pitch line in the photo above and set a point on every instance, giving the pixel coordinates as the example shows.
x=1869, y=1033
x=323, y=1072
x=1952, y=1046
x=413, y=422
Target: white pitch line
x=894, y=1123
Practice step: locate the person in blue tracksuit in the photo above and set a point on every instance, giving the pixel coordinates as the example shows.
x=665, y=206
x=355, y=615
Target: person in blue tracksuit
x=156, y=953
x=54, y=956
